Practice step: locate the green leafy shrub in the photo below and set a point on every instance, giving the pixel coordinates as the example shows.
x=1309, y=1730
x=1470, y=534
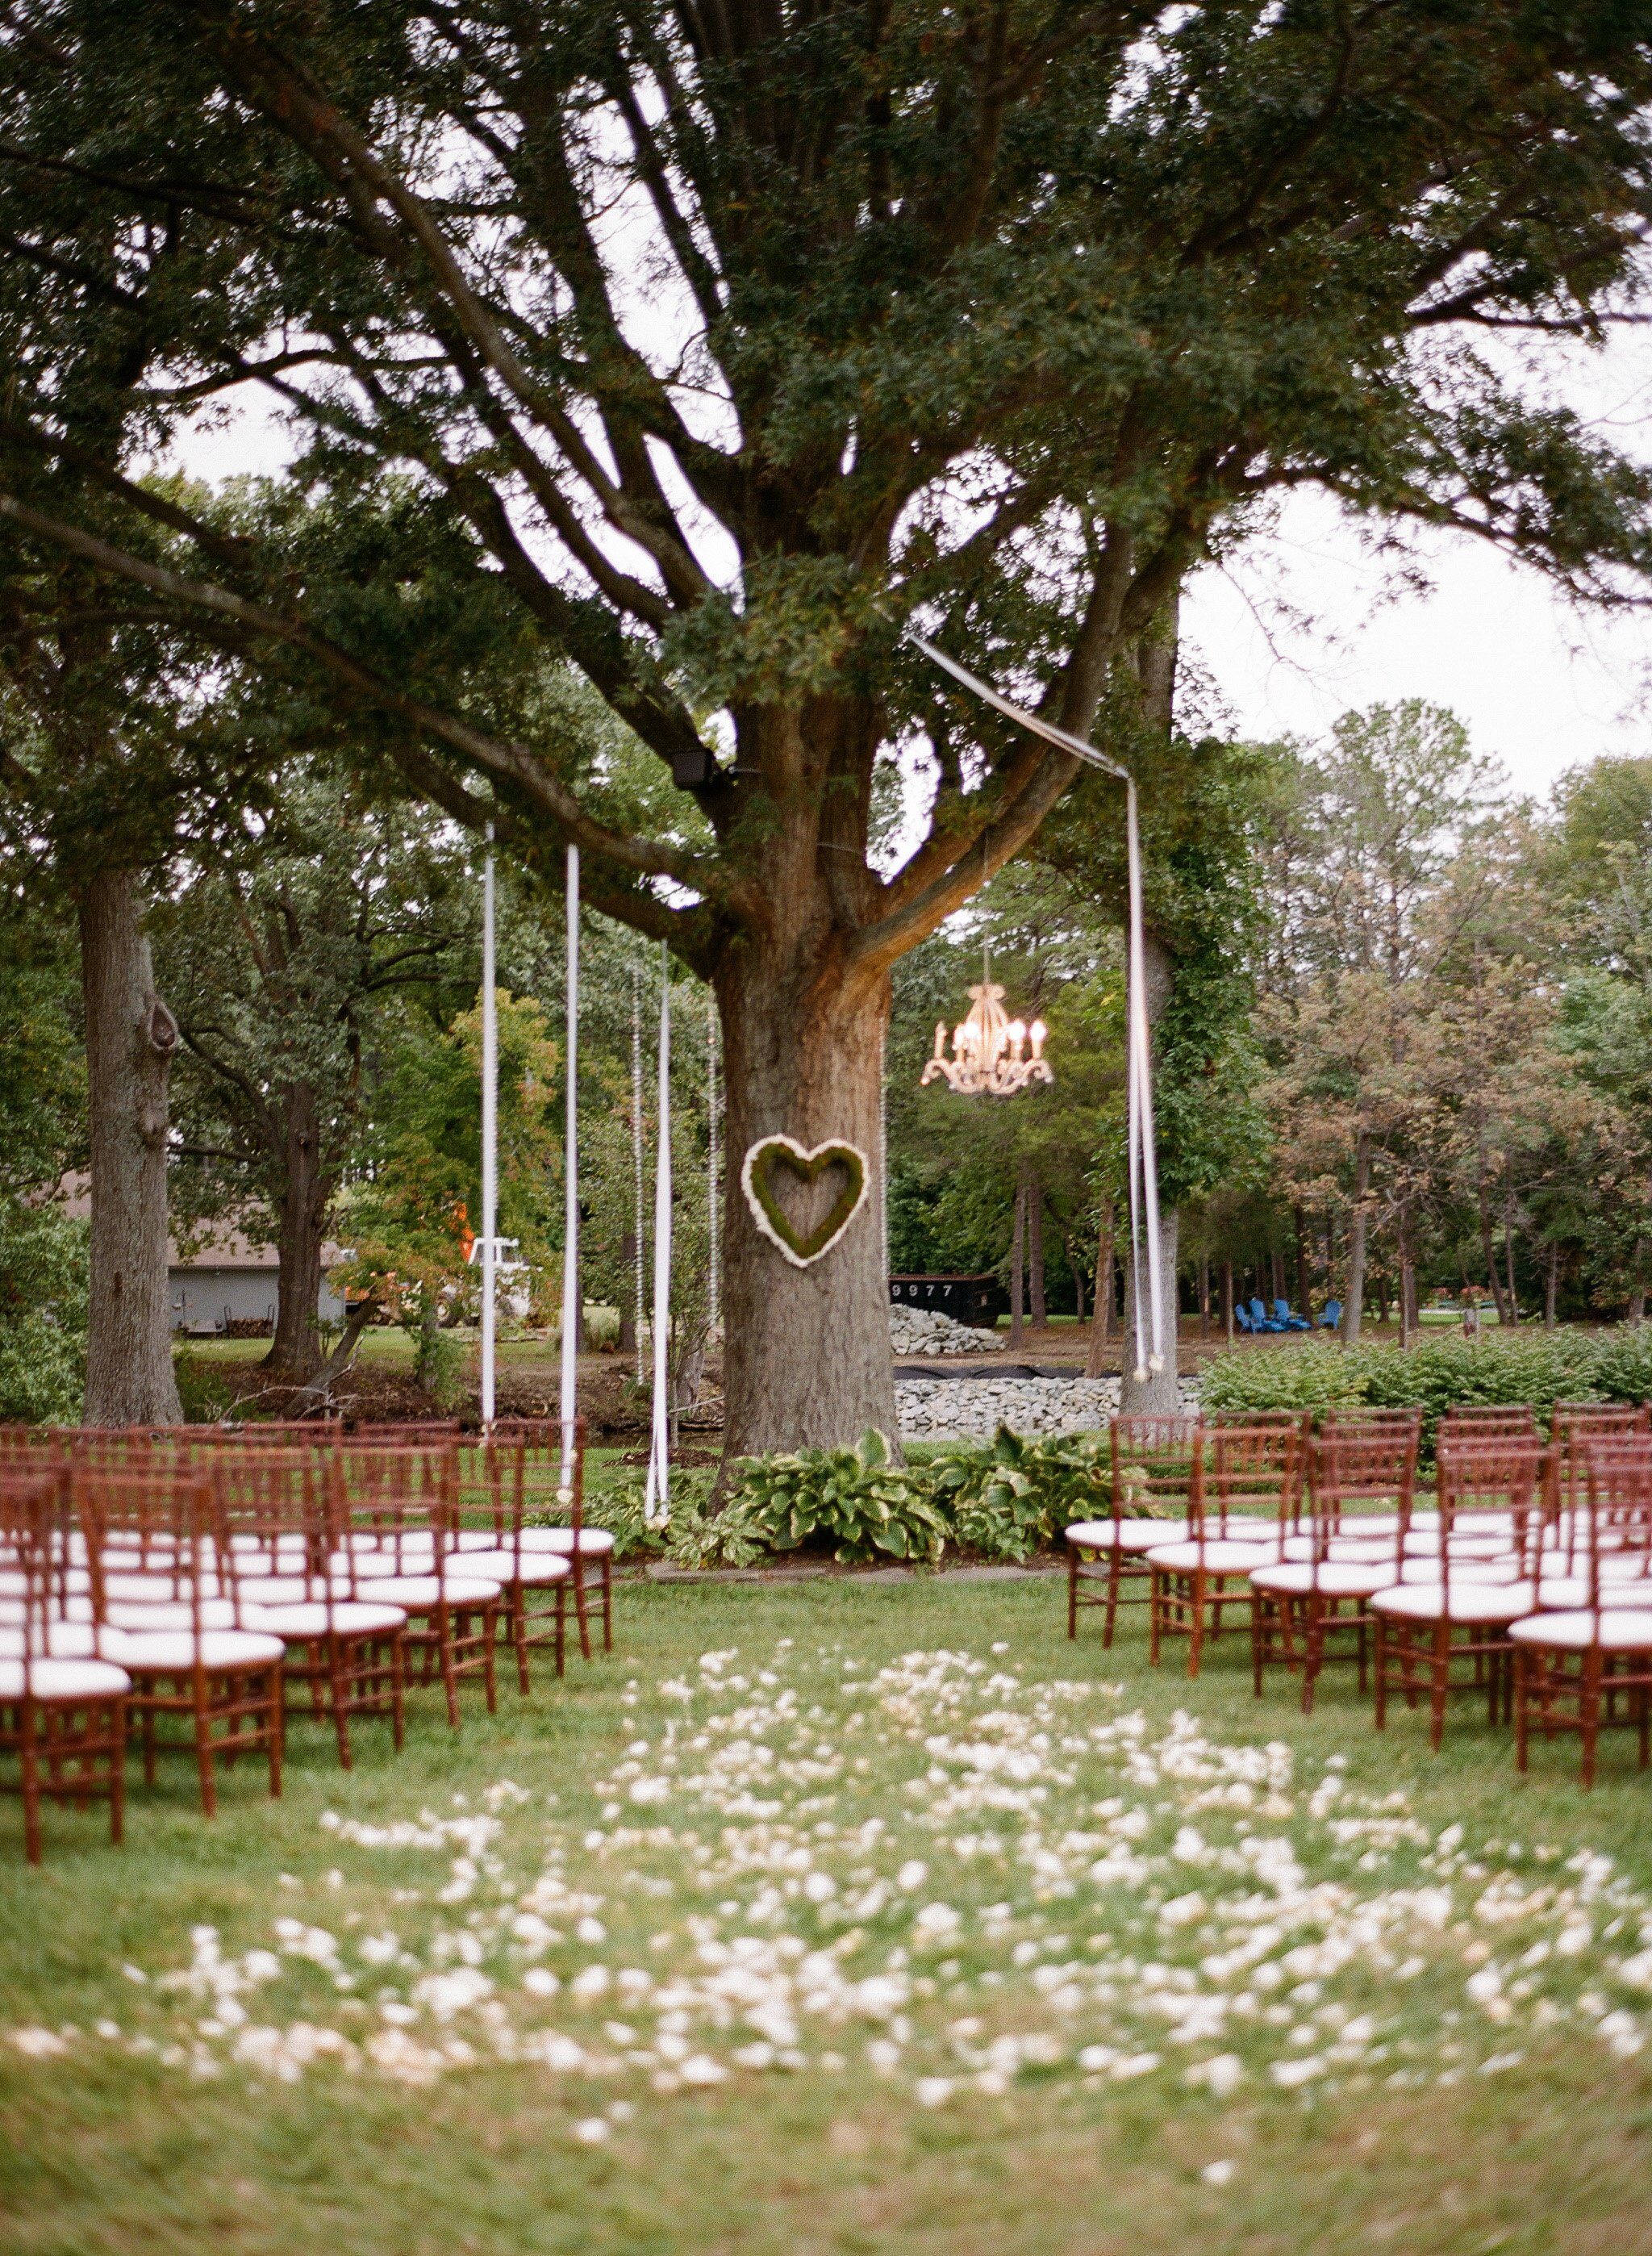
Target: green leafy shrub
x=43, y=1287
x=1542, y=1368
x=695, y=1537
x=1007, y=1499
x=855, y=1500
x=1312, y=1377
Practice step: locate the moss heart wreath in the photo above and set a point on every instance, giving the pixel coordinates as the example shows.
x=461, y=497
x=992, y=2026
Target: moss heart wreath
x=757, y=1180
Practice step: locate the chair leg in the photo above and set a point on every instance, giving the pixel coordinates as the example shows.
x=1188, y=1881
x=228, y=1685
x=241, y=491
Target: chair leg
x=562, y=1625
x=1154, y=1605
x=1110, y=1618
x=1313, y=1645
x=204, y=1762
x=489, y=1642
x=1523, y=1676
x=1589, y=1712
x=398, y=1689
x=1257, y=1602
x=1072, y=1592
x=1196, y=1627
x=580, y=1615
x=444, y=1649
x=117, y=1773
x=336, y=1677
x=1438, y=1677
x=276, y=1714
x=1380, y=1672
x=607, y=1602
x=519, y=1633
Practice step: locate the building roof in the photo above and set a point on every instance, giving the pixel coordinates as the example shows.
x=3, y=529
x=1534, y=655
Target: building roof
x=212, y=1245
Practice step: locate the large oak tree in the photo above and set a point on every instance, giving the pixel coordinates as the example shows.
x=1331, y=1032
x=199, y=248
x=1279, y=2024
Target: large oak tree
x=721, y=336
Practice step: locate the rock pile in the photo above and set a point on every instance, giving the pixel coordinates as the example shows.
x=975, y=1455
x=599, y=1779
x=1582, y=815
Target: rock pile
x=926, y=1332
x=936, y=1409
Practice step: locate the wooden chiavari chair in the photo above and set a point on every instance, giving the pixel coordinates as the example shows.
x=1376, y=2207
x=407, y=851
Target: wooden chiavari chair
x=344, y=1652
x=1152, y=1469
x=1586, y=1667
x=396, y=1519
x=1247, y=1494
x=1453, y=1603
x=175, y=1622
x=1318, y=1591
x=550, y=1467
x=495, y=1541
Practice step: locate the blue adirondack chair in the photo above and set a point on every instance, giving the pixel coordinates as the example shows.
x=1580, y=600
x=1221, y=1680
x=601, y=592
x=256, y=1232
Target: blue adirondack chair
x=1332, y=1317
x=1287, y=1321
x=1260, y=1319
x=1241, y=1317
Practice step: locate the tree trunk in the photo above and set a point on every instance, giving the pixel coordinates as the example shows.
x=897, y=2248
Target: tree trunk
x=1304, y=1295
x=1203, y=1296
x=806, y=1361
x=1018, y=1266
x=1512, y=1317
x=130, y=1036
x=1552, y=1290
x=1408, y=1279
x=1276, y=1262
x=627, y=1312
x=1096, y=1360
x=294, y=1353
x=1488, y=1251
x=1358, y=1225
x=1228, y=1300
x=1077, y=1267
x=1034, y=1252
x=1157, y=1394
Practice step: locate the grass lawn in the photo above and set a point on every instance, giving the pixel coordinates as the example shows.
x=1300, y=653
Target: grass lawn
x=846, y=1916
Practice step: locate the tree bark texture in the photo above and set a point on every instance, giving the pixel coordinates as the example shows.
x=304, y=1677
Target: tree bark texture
x=1038, y=1307
x=1228, y=1300
x=1156, y=1395
x=627, y=1313
x=130, y=1036
x=1512, y=1317
x=1359, y=1223
x=1102, y=1327
x=1488, y=1249
x=1551, y=1288
x=1304, y=1295
x=1018, y=1266
x=807, y=1360
x=294, y=1353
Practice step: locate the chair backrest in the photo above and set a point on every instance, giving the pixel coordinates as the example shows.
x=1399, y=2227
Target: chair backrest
x=1616, y=1516
x=404, y=1500
x=1251, y=1481
x=1481, y=1474
x=277, y=1512
x=1489, y=1418
x=1282, y=1312
x=165, y=1549
x=1241, y=1317
x=540, y=1470
x=1258, y=1310
x=1363, y=1465
x=35, y=1555
x=412, y=1433
x=1333, y=1315
x=1366, y=1418
x=1157, y=1467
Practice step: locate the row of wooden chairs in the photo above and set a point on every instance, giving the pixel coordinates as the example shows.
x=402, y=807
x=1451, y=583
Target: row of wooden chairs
x=220, y=1578
x=1528, y=1578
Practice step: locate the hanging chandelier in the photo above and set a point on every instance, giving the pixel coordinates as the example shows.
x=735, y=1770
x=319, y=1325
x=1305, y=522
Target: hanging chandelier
x=992, y=1055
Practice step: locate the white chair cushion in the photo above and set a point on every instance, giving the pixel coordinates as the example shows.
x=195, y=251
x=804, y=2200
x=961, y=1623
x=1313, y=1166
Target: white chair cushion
x=65, y=1640
x=168, y=1650
x=346, y=1617
x=418, y=1593
x=64, y=1679
x=1217, y=1555
x=1357, y=1549
x=593, y=1542
x=1427, y=1543
x=274, y=1590
x=1333, y=1578
x=169, y=1614
x=530, y=1568
x=1627, y=1629
x=1463, y=1602
x=1125, y=1534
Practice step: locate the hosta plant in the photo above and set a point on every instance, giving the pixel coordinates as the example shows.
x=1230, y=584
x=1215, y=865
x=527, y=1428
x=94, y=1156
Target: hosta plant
x=855, y=1500
x=1011, y=1497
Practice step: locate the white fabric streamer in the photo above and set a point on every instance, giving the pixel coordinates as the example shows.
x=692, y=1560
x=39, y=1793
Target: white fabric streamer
x=571, y=1176
x=656, y=1502
x=489, y=1244
x=1141, y=1151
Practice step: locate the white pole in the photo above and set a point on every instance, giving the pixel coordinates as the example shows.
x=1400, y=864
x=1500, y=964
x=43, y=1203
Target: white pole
x=489, y=1138
x=636, y=1151
x=571, y=1175
x=713, y=1093
x=656, y=1504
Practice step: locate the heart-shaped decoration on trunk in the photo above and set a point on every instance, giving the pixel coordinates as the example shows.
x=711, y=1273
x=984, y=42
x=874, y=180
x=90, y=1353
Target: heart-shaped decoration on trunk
x=772, y=1158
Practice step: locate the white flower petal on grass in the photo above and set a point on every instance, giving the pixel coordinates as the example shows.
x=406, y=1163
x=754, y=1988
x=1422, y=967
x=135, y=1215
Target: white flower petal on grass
x=1219, y=2173
x=39, y=2044
x=592, y=2130
x=933, y=2091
